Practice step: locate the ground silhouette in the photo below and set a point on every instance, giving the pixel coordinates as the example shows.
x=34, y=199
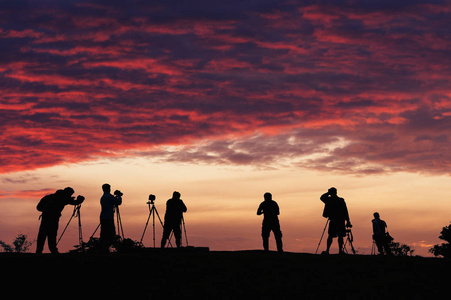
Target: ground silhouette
x=185, y=274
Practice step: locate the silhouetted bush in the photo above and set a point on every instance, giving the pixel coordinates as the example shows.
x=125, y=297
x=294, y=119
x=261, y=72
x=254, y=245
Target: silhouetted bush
x=20, y=244
x=119, y=245
x=398, y=249
x=443, y=249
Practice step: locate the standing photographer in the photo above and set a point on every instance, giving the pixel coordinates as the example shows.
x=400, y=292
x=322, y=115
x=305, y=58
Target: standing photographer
x=173, y=219
x=270, y=210
x=51, y=207
x=336, y=210
x=108, y=203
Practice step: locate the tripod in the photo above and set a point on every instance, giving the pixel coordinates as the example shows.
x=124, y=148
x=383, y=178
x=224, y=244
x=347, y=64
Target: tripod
x=152, y=212
x=75, y=213
x=120, y=229
x=182, y=225
x=373, y=248
x=349, y=239
x=319, y=243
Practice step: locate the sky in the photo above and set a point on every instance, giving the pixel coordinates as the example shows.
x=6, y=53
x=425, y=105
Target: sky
x=224, y=101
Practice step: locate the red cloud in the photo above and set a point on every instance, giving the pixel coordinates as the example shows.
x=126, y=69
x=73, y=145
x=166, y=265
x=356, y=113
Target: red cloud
x=148, y=78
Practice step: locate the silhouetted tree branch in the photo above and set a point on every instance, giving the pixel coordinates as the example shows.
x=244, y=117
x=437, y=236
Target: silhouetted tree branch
x=443, y=249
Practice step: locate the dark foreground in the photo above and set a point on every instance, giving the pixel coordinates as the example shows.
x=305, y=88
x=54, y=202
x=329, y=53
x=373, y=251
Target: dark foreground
x=190, y=274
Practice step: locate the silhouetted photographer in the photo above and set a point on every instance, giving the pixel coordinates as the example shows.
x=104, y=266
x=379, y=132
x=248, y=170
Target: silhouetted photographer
x=380, y=236
x=173, y=219
x=108, y=203
x=51, y=207
x=270, y=211
x=336, y=211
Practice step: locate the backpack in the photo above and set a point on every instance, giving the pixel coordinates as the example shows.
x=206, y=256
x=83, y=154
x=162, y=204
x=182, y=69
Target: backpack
x=45, y=202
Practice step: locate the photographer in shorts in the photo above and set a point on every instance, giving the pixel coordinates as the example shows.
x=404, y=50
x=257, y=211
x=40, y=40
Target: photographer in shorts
x=336, y=210
x=108, y=203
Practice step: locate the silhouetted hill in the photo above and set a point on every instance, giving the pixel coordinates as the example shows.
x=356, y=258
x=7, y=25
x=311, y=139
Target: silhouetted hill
x=222, y=275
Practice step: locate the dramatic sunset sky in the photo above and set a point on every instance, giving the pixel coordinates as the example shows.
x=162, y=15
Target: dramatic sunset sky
x=224, y=101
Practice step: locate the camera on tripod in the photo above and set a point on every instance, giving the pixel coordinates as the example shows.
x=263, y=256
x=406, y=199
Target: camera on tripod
x=151, y=199
x=118, y=193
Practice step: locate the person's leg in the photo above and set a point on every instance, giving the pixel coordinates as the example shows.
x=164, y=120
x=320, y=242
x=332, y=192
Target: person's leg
x=265, y=237
x=332, y=233
x=177, y=235
x=340, y=245
x=329, y=242
x=379, y=246
x=278, y=236
x=166, y=234
x=42, y=235
x=107, y=233
x=52, y=232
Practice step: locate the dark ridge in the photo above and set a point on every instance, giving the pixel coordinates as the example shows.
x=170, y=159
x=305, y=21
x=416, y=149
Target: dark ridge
x=207, y=274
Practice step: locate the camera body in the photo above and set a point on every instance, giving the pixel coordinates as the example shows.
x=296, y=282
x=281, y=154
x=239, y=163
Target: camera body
x=118, y=193
x=151, y=199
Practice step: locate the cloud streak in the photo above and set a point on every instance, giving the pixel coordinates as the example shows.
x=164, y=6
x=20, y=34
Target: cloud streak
x=330, y=86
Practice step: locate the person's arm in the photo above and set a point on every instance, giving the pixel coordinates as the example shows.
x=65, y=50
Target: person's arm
x=183, y=206
x=324, y=197
x=348, y=221
x=277, y=209
x=260, y=210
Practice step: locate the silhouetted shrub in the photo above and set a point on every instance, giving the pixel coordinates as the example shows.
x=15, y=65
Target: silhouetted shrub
x=443, y=249
x=20, y=244
x=119, y=245
x=398, y=249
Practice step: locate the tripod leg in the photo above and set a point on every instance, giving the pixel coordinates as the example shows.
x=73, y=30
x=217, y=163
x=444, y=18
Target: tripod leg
x=120, y=229
x=162, y=225
x=80, y=231
x=352, y=247
x=147, y=223
x=184, y=229
x=97, y=228
x=327, y=222
x=67, y=225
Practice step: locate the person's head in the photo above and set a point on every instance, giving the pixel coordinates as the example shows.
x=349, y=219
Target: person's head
x=106, y=188
x=332, y=191
x=267, y=196
x=176, y=195
x=376, y=215
x=69, y=191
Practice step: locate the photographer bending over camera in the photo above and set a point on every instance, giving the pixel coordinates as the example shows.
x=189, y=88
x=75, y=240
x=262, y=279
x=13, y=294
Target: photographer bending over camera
x=51, y=207
x=108, y=203
x=336, y=210
x=173, y=219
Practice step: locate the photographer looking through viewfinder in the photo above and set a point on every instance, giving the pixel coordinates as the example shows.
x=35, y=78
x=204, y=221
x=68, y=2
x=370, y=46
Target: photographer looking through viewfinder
x=107, y=229
x=336, y=210
x=173, y=219
x=51, y=207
